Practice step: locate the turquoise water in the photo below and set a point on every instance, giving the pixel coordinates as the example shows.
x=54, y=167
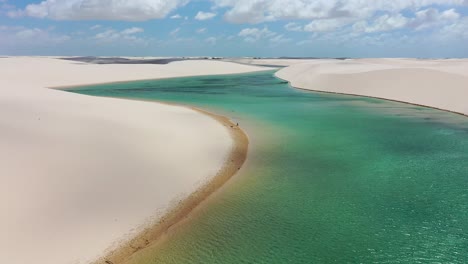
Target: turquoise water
x=330, y=178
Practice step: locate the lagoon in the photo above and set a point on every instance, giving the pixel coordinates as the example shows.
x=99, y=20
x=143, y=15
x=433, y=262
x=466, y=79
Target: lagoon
x=329, y=178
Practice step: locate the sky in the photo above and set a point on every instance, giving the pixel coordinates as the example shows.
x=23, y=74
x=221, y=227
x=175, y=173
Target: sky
x=235, y=28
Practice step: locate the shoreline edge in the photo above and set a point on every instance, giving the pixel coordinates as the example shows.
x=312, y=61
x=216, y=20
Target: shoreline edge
x=152, y=234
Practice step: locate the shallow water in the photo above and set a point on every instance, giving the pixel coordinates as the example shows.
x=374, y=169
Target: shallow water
x=330, y=178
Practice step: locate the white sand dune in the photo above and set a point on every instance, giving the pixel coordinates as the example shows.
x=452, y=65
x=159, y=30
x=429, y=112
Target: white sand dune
x=79, y=174
x=440, y=84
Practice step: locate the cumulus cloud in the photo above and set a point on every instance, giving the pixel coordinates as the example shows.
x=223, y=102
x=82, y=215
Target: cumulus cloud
x=201, y=30
x=256, y=34
x=133, y=30
x=36, y=33
x=293, y=27
x=211, y=40
x=135, y=10
x=326, y=20
x=383, y=23
x=280, y=38
x=423, y=19
x=431, y=17
x=322, y=15
x=322, y=25
x=204, y=15
x=257, y=11
x=95, y=27
x=174, y=32
x=454, y=30
x=18, y=36
x=126, y=36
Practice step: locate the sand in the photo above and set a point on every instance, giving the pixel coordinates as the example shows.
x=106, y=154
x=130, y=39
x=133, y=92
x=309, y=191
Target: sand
x=441, y=84
x=82, y=175
x=270, y=62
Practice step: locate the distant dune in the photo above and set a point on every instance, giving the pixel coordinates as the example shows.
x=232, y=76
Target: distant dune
x=439, y=84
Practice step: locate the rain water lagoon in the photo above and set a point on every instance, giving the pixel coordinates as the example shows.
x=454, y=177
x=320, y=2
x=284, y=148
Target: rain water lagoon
x=329, y=178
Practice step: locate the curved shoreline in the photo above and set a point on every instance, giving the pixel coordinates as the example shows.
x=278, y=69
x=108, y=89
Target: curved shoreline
x=236, y=158
x=372, y=97
x=81, y=150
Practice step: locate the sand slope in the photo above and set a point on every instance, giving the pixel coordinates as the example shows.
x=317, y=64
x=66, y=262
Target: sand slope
x=436, y=83
x=79, y=174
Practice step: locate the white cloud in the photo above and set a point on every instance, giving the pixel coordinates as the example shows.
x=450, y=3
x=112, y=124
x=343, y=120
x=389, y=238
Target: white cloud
x=176, y=16
x=135, y=10
x=257, y=11
x=204, y=15
x=293, y=27
x=95, y=27
x=211, y=40
x=428, y=18
x=305, y=42
x=131, y=31
x=255, y=34
x=278, y=39
x=201, y=30
x=30, y=37
x=383, y=23
x=126, y=36
x=452, y=31
x=432, y=17
x=29, y=33
x=322, y=25
x=174, y=32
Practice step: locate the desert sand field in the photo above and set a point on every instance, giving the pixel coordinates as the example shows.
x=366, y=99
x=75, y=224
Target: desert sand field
x=79, y=175
x=441, y=84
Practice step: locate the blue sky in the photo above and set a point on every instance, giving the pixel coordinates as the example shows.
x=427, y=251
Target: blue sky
x=312, y=28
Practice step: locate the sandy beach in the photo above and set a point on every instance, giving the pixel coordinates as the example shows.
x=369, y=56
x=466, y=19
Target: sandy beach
x=82, y=175
x=441, y=84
